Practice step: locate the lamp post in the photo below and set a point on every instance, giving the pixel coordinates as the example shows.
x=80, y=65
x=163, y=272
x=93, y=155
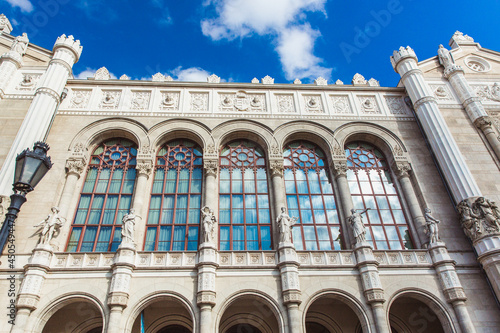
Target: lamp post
x=31, y=166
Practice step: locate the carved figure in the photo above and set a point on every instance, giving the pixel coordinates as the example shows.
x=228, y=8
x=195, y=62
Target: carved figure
x=209, y=221
x=479, y=218
x=49, y=226
x=469, y=220
x=431, y=229
x=20, y=44
x=285, y=223
x=489, y=211
x=128, y=222
x=358, y=227
x=445, y=57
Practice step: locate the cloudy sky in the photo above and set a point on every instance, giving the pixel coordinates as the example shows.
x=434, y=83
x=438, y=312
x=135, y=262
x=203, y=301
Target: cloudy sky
x=242, y=39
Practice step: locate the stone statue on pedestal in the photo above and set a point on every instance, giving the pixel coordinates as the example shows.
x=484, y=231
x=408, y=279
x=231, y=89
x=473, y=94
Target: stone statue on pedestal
x=431, y=225
x=357, y=225
x=285, y=223
x=209, y=222
x=445, y=57
x=49, y=226
x=20, y=44
x=128, y=226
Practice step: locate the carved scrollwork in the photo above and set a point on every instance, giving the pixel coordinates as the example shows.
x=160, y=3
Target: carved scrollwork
x=402, y=169
x=340, y=168
x=75, y=166
x=276, y=167
x=144, y=167
x=479, y=217
x=211, y=167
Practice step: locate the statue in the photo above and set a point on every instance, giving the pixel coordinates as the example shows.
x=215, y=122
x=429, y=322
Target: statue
x=358, y=228
x=50, y=225
x=431, y=224
x=445, y=57
x=128, y=222
x=285, y=223
x=209, y=221
x=20, y=44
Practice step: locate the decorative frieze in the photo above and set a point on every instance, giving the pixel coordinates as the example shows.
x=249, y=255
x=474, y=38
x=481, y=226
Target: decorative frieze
x=199, y=102
x=285, y=103
x=242, y=102
x=341, y=104
x=140, y=100
x=488, y=93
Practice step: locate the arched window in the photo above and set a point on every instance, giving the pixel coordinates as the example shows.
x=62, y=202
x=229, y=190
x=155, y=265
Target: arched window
x=106, y=196
x=372, y=187
x=309, y=196
x=244, y=219
x=174, y=210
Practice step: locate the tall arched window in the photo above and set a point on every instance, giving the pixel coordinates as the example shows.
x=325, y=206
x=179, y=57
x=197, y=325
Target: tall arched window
x=309, y=196
x=174, y=210
x=106, y=196
x=244, y=219
x=372, y=187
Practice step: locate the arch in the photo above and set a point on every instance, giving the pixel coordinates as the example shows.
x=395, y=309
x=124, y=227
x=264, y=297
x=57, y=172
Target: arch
x=157, y=296
x=251, y=319
x=351, y=301
x=388, y=142
x=177, y=128
x=67, y=299
x=318, y=134
x=98, y=131
x=433, y=302
x=244, y=129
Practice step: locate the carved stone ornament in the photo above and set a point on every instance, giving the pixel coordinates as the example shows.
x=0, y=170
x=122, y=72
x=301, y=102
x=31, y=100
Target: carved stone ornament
x=297, y=81
x=479, y=217
x=255, y=80
x=124, y=77
x=4, y=206
x=140, y=100
x=158, y=77
x=459, y=36
x=398, y=151
x=210, y=150
x=209, y=223
x=75, y=166
x=396, y=105
x=369, y=105
x=285, y=103
x=276, y=167
x=242, y=102
x=431, y=226
x=267, y=80
x=199, y=102
x=49, y=227
x=341, y=104
x=80, y=99
x=110, y=99
x=102, y=74
x=20, y=44
x=144, y=168
x=169, y=101
x=373, y=83
x=483, y=123
x=5, y=25
x=313, y=104
x=338, y=82
x=340, y=168
x=403, y=169
x=320, y=81
x=276, y=152
x=211, y=167
x=28, y=82
x=145, y=150
x=491, y=93
x=213, y=79
x=359, y=79
x=338, y=151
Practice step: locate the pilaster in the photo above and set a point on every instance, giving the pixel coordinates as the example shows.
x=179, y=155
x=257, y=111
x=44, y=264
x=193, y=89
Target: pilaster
x=450, y=284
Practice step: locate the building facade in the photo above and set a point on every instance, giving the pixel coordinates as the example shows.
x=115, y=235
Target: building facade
x=254, y=207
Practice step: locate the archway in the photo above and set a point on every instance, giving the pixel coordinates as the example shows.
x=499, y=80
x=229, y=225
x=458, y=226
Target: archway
x=76, y=316
x=249, y=314
x=408, y=314
x=331, y=314
x=164, y=315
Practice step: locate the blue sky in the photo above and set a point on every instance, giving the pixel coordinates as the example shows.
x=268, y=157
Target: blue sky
x=242, y=39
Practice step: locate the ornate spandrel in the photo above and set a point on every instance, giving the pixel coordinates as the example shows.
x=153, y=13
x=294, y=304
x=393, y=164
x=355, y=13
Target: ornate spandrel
x=479, y=217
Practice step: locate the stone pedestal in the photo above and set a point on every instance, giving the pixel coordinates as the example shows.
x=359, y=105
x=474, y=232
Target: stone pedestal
x=31, y=287
x=372, y=287
x=123, y=266
x=40, y=114
x=450, y=284
x=205, y=297
x=290, y=285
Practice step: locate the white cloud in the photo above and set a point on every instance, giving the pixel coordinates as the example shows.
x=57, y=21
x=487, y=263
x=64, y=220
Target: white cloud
x=24, y=5
x=285, y=20
x=192, y=74
x=89, y=72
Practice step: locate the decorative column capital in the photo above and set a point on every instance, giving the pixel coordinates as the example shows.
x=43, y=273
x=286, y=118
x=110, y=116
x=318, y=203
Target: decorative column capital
x=144, y=167
x=339, y=168
x=451, y=70
x=75, y=166
x=211, y=167
x=277, y=167
x=483, y=123
x=479, y=218
x=402, y=169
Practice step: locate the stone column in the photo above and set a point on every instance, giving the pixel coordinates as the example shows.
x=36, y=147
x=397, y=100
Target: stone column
x=339, y=168
x=403, y=170
x=74, y=168
x=471, y=103
x=278, y=192
x=205, y=298
x=448, y=155
x=143, y=169
x=124, y=264
x=372, y=287
x=40, y=114
x=290, y=285
x=210, y=194
x=10, y=62
x=450, y=284
x=34, y=276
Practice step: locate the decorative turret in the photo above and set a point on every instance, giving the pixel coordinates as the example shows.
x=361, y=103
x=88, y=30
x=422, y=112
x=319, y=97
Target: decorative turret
x=401, y=54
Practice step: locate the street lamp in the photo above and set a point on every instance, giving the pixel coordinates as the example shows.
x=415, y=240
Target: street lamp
x=31, y=166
